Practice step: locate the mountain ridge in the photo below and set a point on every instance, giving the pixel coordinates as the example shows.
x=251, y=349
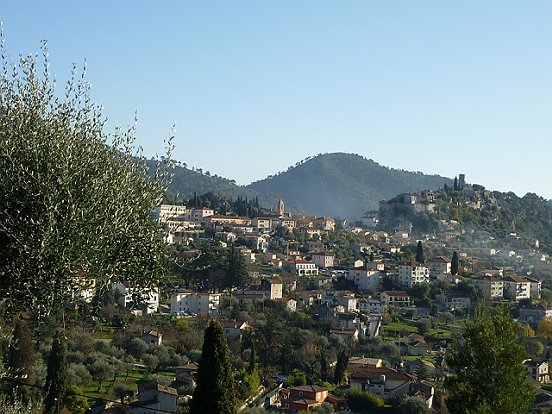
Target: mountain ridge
x=335, y=184
x=343, y=185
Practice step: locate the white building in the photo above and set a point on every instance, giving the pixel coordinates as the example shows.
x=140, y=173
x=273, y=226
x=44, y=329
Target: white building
x=166, y=212
x=490, y=287
x=439, y=265
x=412, y=273
x=395, y=298
x=154, y=397
x=146, y=300
x=370, y=306
x=304, y=267
x=323, y=259
x=195, y=302
x=452, y=303
x=365, y=279
x=517, y=288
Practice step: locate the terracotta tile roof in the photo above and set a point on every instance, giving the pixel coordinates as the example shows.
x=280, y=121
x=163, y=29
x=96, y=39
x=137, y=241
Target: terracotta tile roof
x=396, y=293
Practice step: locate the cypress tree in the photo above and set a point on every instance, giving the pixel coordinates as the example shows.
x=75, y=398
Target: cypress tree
x=323, y=367
x=55, y=386
x=454, y=264
x=340, y=366
x=214, y=393
x=21, y=357
x=252, y=357
x=420, y=257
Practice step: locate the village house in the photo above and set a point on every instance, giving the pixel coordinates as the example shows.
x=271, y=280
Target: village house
x=148, y=299
x=345, y=299
x=395, y=298
x=198, y=215
x=324, y=223
x=313, y=246
x=303, y=267
x=537, y=371
x=308, y=231
x=267, y=289
x=424, y=390
x=257, y=241
x=490, y=287
x=439, y=265
x=365, y=279
x=536, y=288
x=186, y=373
x=220, y=220
x=307, y=397
x=357, y=363
x=348, y=334
x=287, y=222
x=154, y=397
x=264, y=224
x=453, y=302
x=152, y=338
x=385, y=382
x=412, y=273
x=235, y=330
x=370, y=306
x=516, y=288
x=533, y=314
x=324, y=259
x=201, y=303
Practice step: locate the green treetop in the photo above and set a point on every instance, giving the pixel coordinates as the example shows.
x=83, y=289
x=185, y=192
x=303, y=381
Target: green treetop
x=489, y=376
x=73, y=200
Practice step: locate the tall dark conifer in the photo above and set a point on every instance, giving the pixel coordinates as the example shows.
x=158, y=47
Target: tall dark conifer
x=323, y=367
x=454, y=264
x=214, y=393
x=340, y=366
x=55, y=386
x=21, y=357
x=420, y=257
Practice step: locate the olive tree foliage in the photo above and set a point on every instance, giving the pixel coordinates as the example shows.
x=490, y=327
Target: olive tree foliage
x=74, y=200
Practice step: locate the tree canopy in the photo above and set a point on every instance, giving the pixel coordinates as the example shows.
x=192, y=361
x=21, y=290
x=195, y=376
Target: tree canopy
x=74, y=201
x=489, y=376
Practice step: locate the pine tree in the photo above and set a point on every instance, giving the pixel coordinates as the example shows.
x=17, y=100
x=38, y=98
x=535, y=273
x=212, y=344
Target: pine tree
x=55, y=386
x=236, y=274
x=489, y=376
x=214, y=393
x=420, y=257
x=21, y=357
x=454, y=264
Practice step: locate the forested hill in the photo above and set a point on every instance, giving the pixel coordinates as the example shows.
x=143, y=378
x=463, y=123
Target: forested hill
x=343, y=185
x=338, y=185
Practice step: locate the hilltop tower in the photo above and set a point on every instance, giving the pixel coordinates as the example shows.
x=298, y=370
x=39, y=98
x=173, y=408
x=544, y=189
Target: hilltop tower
x=280, y=208
x=461, y=181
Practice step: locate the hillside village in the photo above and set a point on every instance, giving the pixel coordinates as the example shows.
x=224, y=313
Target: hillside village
x=315, y=307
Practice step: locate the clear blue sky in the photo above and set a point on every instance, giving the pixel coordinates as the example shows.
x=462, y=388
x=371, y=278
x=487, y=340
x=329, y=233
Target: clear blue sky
x=441, y=87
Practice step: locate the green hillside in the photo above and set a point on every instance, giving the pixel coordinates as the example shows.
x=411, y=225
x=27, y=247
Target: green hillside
x=186, y=182
x=342, y=185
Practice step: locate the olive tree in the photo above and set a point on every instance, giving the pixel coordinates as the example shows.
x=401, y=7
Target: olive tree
x=75, y=201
